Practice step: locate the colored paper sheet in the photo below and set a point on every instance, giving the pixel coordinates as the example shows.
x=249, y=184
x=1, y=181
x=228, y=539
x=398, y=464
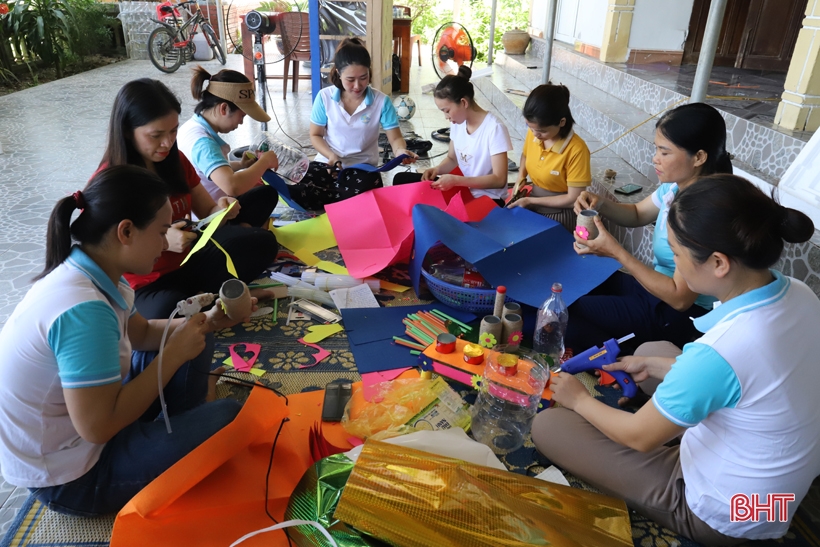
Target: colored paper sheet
x=317, y=333
x=364, y=325
x=388, y=286
x=370, y=333
x=209, y=232
x=216, y=494
x=257, y=372
x=375, y=229
x=318, y=357
x=282, y=187
x=331, y=267
x=371, y=379
x=238, y=362
x=311, y=235
x=517, y=248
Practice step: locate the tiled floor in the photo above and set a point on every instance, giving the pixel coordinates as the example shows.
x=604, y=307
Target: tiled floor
x=53, y=137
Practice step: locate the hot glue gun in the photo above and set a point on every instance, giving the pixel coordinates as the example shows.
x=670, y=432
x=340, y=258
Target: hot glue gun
x=192, y=306
x=596, y=357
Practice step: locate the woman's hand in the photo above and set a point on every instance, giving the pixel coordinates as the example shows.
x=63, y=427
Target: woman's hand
x=445, y=182
x=179, y=240
x=603, y=245
x=224, y=202
x=331, y=162
x=634, y=365
x=567, y=390
x=187, y=341
x=587, y=200
x=412, y=159
x=269, y=159
x=248, y=159
x=217, y=320
x=525, y=202
x=429, y=174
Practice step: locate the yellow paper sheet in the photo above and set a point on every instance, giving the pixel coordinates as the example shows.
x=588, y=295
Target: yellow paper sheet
x=257, y=372
x=388, y=286
x=330, y=267
x=312, y=235
x=228, y=262
x=209, y=232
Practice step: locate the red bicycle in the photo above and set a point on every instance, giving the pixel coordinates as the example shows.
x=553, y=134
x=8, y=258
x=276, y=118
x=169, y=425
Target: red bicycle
x=172, y=44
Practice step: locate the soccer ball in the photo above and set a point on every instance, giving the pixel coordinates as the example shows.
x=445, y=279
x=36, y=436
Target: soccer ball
x=405, y=107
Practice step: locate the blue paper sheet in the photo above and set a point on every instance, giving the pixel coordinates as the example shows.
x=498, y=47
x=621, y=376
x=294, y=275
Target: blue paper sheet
x=371, y=331
x=517, y=248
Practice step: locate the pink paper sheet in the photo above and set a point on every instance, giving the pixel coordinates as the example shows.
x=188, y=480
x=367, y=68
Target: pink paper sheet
x=375, y=229
x=238, y=362
x=371, y=379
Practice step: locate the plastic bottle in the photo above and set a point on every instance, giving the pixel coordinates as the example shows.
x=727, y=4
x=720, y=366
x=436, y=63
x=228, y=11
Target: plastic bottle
x=551, y=326
x=511, y=390
x=293, y=163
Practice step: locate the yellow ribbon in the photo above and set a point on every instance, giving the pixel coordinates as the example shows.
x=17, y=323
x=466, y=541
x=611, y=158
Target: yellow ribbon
x=206, y=237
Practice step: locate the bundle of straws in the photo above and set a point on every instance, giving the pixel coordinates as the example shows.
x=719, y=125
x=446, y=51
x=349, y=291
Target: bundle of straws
x=424, y=328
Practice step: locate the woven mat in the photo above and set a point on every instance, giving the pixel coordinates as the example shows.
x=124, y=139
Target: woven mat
x=280, y=357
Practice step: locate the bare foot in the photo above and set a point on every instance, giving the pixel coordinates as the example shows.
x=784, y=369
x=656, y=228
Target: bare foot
x=212, y=380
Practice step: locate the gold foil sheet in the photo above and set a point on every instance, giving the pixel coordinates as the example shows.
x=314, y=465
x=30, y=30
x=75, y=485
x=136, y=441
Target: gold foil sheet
x=410, y=498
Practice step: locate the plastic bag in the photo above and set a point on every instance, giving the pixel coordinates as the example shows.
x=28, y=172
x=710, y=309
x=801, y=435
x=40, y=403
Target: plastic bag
x=404, y=406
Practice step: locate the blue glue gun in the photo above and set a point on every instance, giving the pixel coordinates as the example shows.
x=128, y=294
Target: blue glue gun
x=596, y=357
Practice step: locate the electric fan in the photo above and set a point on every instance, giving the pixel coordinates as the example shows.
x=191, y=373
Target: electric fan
x=453, y=48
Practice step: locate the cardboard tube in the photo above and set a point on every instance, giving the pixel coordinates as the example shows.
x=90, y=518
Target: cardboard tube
x=491, y=324
x=511, y=307
x=512, y=322
x=236, y=299
x=586, y=218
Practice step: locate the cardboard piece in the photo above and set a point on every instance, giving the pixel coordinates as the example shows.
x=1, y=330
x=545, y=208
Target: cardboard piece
x=375, y=229
x=517, y=248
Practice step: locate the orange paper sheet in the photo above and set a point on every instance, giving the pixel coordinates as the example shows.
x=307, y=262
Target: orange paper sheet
x=215, y=495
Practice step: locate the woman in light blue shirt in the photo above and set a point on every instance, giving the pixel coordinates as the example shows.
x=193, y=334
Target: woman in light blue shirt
x=654, y=302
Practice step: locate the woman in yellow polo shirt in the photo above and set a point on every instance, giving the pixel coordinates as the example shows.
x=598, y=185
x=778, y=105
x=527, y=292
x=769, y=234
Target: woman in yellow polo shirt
x=554, y=157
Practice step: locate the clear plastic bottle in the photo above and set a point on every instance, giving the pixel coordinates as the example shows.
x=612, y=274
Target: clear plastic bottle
x=509, y=397
x=551, y=326
x=293, y=163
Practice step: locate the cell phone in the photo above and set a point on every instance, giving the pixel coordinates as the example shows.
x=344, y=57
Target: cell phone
x=628, y=189
x=336, y=397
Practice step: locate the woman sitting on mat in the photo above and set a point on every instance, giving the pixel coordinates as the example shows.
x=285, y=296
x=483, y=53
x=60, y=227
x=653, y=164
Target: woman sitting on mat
x=555, y=158
x=222, y=107
x=744, y=395
x=479, y=143
x=654, y=302
x=77, y=420
x=142, y=132
x=344, y=125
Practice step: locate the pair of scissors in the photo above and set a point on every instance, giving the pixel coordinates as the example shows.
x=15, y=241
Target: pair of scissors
x=197, y=225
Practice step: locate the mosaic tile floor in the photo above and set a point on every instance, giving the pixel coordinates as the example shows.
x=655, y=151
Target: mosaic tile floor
x=53, y=136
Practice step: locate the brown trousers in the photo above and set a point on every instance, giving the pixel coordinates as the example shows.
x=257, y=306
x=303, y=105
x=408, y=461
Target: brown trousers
x=651, y=483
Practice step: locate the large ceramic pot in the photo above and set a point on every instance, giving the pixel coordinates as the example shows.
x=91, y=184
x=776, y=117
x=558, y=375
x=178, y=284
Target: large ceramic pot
x=515, y=41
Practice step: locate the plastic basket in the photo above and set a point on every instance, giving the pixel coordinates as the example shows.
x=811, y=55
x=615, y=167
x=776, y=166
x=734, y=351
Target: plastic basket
x=461, y=298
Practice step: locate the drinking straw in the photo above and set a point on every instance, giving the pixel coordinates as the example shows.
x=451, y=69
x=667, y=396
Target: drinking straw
x=408, y=343
x=443, y=315
x=265, y=285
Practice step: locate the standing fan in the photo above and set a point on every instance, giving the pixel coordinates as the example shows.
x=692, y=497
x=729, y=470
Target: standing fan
x=453, y=48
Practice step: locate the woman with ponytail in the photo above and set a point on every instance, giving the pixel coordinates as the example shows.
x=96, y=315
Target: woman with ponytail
x=554, y=156
x=77, y=419
x=222, y=107
x=654, y=302
x=743, y=395
x=479, y=143
x=143, y=132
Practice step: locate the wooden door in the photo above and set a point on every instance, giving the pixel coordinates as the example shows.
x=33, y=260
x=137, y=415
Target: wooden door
x=756, y=34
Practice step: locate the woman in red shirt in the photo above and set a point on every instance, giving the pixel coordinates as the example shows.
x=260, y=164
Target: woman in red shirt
x=142, y=131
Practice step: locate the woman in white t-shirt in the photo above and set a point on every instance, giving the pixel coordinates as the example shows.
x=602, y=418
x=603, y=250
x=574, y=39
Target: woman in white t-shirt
x=479, y=142
x=743, y=395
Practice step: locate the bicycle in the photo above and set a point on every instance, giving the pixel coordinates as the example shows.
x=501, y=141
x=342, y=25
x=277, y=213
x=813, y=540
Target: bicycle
x=172, y=44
